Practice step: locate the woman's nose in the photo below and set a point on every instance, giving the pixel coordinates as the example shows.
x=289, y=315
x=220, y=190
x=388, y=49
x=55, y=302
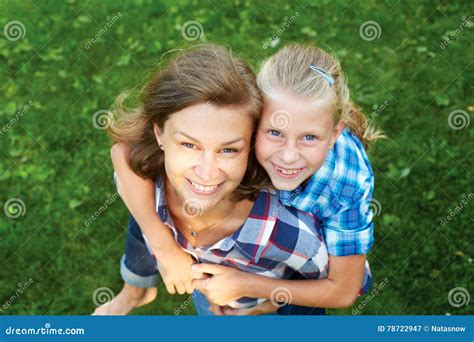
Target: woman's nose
x=207, y=168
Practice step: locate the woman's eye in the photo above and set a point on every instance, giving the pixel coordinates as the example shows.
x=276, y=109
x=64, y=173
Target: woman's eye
x=274, y=133
x=310, y=137
x=229, y=150
x=188, y=145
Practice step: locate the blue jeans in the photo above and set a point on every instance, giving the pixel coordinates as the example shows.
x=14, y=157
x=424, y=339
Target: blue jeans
x=138, y=268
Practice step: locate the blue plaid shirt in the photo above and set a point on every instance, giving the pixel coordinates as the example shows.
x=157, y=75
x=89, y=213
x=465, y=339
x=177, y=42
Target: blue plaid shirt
x=339, y=195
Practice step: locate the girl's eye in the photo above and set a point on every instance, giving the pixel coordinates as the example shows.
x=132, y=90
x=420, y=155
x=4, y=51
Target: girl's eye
x=274, y=133
x=229, y=150
x=310, y=137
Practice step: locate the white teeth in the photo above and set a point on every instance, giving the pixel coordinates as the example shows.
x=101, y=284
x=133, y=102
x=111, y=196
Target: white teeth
x=287, y=172
x=204, y=188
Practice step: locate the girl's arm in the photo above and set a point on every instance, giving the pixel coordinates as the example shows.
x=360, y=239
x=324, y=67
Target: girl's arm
x=138, y=195
x=339, y=290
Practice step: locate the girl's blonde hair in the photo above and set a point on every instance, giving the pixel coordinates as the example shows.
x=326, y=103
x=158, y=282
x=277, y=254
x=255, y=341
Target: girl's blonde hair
x=289, y=70
x=204, y=73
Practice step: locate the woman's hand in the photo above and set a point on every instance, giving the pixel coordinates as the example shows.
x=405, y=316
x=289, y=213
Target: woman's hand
x=225, y=285
x=261, y=309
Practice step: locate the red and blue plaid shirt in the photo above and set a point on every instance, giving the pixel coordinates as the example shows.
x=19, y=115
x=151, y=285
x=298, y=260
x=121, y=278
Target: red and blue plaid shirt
x=275, y=241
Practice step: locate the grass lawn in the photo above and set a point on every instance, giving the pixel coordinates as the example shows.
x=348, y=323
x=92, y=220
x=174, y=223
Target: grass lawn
x=410, y=67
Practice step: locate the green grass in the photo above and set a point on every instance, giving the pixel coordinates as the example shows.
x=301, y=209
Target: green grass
x=58, y=164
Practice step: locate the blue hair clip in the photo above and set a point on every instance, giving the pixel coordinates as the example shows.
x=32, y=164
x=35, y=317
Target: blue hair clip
x=323, y=73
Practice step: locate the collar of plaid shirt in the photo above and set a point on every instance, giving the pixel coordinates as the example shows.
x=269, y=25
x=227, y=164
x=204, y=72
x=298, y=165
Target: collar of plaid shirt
x=250, y=239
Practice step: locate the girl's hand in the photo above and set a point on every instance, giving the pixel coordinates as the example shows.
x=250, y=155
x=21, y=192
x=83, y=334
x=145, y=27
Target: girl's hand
x=261, y=309
x=175, y=268
x=226, y=284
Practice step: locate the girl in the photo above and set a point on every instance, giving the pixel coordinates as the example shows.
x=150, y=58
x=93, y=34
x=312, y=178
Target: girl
x=192, y=133
x=311, y=142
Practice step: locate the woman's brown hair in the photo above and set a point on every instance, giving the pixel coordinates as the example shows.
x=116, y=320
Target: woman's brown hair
x=205, y=73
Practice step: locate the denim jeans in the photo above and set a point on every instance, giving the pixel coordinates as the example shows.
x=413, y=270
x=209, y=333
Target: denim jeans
x=138, y=268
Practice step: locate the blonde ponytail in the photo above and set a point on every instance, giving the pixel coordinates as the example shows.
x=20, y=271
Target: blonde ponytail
x=358, y=124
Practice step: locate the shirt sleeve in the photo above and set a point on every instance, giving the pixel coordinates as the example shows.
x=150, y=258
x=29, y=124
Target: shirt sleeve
x=350, y=230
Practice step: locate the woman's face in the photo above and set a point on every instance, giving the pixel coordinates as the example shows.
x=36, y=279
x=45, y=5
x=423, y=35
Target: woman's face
x=293, y=138
x=206, y=150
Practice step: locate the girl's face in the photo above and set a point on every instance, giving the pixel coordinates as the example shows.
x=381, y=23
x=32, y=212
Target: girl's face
x=206, y=150
x=293, y=138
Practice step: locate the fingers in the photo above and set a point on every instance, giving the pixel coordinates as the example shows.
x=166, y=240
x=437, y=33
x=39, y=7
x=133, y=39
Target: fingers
x=208, y=268
x=199, y=284
x=189, y=287
x=170, y=288
x=180, y=288
x=199, y=275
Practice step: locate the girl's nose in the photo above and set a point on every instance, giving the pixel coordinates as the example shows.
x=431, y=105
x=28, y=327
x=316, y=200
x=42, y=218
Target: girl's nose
x=289, y=154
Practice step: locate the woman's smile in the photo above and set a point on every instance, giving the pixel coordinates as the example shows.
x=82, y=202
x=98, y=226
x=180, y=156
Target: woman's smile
x=201, y=189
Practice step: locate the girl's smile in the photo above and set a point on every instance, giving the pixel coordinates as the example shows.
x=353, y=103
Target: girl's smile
x=289, y=173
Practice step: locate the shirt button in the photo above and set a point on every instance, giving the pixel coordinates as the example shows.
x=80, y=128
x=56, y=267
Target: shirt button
x=164, y=213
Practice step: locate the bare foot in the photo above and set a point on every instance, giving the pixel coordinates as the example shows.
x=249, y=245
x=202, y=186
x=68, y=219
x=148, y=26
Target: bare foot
x=129, y=298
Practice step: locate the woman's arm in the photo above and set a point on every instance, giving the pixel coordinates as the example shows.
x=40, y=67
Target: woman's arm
x=138, y=195
x=339, y=290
